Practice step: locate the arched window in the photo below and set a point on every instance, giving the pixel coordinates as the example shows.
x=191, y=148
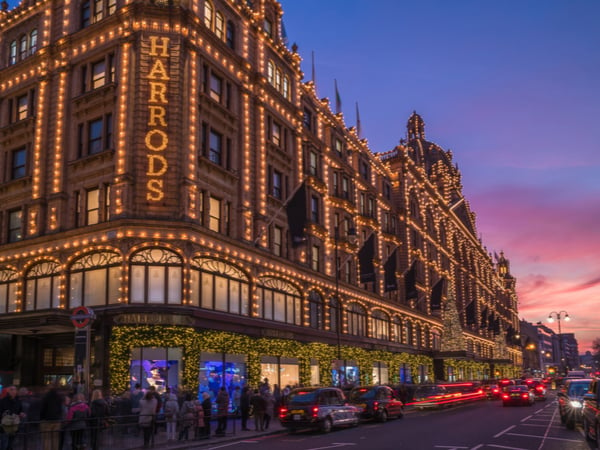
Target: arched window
x=278, y=76
x=23, y=48
x=407, y=333
x=419, y=336
x=8, y=291
x=42, y=286
x=397, y=329
x=208, y=14
x=33, y=36
x=357, y=320
x=95, y=280
x=315, y=305
x=334, y=315
x=220, y=25
x=156, y=277
x=12, y=59
x=230, y=35
x=381, y=325
x=219, y=286
x=286, y=87
x=271, y=73
x=279, y=300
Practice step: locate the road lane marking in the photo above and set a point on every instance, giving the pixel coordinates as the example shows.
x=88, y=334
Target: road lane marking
x=334, y=445
x=504, y=446
x=453, y=447
x=504, y=431
x=526, y=418
x=542, y=437
x=477, y=447
x=233, y=443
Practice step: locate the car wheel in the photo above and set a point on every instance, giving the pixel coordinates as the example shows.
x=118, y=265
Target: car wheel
x=563, y=418
x=570, y=423
x=326, y=425
x=383, y=415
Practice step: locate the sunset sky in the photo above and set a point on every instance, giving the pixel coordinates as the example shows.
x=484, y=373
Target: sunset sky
x=513, y=89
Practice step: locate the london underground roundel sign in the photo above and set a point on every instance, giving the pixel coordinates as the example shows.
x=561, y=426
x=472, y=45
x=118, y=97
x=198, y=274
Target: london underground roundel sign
x=81, y=316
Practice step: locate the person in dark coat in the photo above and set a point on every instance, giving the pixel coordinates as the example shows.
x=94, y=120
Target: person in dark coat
x=207, y=408
x=259, y=406
x=12, y=405
x=99, y=414
x=222, y=411
x=51, y=414
x=245, y=407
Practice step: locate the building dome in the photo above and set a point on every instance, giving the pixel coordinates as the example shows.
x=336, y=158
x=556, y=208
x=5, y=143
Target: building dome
x=423, y=152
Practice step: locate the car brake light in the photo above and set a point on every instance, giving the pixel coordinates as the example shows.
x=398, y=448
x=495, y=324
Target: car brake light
x=315, y=411
x=505, y=396
x=283, y=412
x=375, y=406
x=496, y=390
x=539, y=388
x=525, y=395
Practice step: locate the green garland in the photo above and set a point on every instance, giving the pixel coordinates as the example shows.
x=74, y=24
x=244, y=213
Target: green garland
x=192, y=342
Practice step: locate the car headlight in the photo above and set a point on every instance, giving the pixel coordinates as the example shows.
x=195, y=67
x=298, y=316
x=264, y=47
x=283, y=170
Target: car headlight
x=575, y=404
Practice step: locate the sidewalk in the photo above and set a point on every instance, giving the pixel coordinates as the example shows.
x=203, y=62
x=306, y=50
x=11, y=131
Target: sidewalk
x=233, y=433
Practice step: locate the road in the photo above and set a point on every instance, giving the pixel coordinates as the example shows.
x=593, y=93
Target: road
x=481, y=425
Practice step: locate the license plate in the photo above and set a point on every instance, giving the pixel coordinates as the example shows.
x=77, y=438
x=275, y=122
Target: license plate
x=297, y=411
x=297, y=416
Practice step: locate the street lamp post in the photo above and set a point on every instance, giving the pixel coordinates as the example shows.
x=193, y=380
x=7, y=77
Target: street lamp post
x=336, y=238
x=558, y=316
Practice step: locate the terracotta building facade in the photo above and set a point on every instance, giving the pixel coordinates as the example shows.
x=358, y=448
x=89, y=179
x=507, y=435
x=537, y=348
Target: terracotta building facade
x=166, y=166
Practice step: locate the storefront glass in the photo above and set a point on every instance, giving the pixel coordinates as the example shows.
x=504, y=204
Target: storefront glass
x=219, y=369
x=281, y=371
x=158, y=367
x=380, y=373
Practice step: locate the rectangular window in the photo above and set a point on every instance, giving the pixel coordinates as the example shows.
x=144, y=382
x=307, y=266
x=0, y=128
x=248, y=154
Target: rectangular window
x=23, y=48
x=95, y=128
x=215, y=88
x=19, y=163
x=92, y=206
x=277, y=188
x=307, y=119
x=314, y=209
x=15, y=225
x=98, y=74
x=112, y=6
x=314, y=261
x=85, y=14
x=338, y=146
x=215, y=153
x=276, y=134
x=214, y=221
x=106, y=208
x=98, y=10
x=314, y=164
x=33, y=42
x=268, y=27
x=22, y=107
x=12, y=59
x=277, y=240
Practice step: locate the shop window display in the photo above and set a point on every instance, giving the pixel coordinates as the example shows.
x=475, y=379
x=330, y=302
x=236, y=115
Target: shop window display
x=218, y=370
x=158, y=367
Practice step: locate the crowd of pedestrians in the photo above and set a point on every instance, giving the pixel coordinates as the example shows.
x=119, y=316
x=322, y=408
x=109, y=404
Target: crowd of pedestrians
x=70, y=420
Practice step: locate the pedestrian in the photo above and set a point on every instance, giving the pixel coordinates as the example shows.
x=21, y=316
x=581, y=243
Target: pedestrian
x=222, y=411
x=136, y=395
x=99, y=413
x=11, y=411
x=51, y=413
x=64, y=425
x=147, y=416
x=199, y=425
x=269, y=408
x=245, y=407
x=235, y=400
x=77, y=417
x=156, y=395
x=187, y=417
x=264, y=386
x=259, y=405
x=207, y=408
x=171, y=410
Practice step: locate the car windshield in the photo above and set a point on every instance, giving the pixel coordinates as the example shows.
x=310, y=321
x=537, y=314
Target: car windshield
x=362, y=394
x=428, y=390
x=578, y=389
x=520, y=388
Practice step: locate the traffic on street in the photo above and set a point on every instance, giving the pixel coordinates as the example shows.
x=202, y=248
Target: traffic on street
x=473, y=425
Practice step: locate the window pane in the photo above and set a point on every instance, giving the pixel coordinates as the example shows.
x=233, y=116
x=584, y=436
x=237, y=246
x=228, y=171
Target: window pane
x=221, y=293
x=114, y=283
x=75, y=287
x=207, y=291
x=279, y=307
x=95, y=136
x=156, y=284
x=194, y=287
x=12, y=297
x=95, y=287
x=44, y=286
x=234, y=295
x=137, y=284
x=175, y=285
x=98, y=74
x=245, y=296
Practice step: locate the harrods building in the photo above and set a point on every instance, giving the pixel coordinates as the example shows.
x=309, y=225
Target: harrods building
x=165, y=165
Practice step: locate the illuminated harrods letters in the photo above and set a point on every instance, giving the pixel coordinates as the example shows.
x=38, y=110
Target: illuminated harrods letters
x=157, y=139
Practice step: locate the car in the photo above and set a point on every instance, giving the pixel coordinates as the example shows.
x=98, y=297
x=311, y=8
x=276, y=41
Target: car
x=591, y=412
x=319, y=408
x=538, y=388
x=431, y=396
x=493, y=391
x=376, y=402
x=570, y=401
x=517, y=395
